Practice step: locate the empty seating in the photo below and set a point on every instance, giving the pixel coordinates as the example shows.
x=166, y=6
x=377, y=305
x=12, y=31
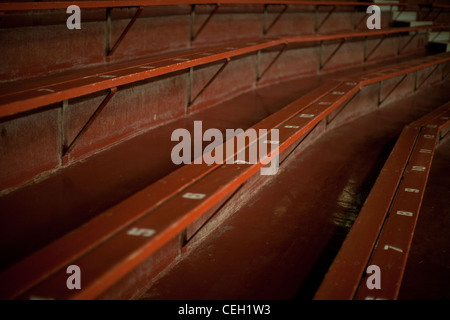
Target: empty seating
x=143, y=221
x=163, y=211
x=384, y=229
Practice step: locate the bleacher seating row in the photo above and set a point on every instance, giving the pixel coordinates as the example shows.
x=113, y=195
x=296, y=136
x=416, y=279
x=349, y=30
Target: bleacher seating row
x=55, y=121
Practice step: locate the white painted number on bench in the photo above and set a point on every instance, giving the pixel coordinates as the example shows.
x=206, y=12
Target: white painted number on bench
x=425, y=151
x=49, y=90
x=428, y=136
x=241, y=162
x=190, y=195
x=107, y=76
x=181, y=59
x=373, y=298
x=418, y=168
x=40, y=298
x=411, y=190
x=292, y=127
x=141, y=232
x=405, y=213
x=386, y=247
x=305, y=115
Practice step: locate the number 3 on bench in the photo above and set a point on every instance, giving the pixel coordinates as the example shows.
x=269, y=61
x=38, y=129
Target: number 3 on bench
x=141, y=232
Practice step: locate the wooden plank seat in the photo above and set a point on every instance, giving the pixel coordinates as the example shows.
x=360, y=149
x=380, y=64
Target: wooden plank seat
x=117, y=240
x=384, y=229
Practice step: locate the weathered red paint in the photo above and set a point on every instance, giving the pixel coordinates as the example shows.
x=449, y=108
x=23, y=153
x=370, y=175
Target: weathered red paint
x=170, y=227
x=32, y=95
x=378, y=225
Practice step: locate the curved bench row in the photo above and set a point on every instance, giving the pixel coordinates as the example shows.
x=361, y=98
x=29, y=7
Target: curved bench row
x=112, y=244
x=383, y=231
x=31, y=95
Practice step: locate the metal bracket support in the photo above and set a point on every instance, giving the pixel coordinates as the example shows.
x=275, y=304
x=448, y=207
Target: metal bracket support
x=322, y=64
x=94, y=116
x=356, y=25
x=318, y=25
x=194, y=34
x=366, y=56
x=442, y=136
x=260, y=75
x=191, y=79
x=110, y=50
x=266, y=28
x=380, y=101
x=399, y=51
x=417, y=87
x=340, y=109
